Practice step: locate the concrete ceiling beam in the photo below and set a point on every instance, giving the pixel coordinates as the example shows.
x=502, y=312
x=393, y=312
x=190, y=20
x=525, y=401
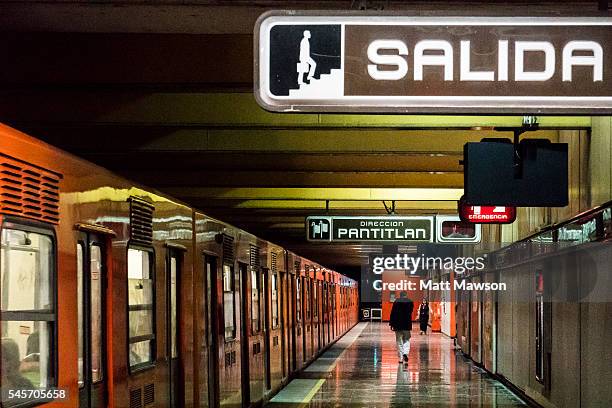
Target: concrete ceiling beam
x=318, y=194
x=76, y=107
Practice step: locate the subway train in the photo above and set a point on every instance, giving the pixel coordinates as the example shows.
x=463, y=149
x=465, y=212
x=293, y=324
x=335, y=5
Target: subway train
x=547, y=335
x=115, y=295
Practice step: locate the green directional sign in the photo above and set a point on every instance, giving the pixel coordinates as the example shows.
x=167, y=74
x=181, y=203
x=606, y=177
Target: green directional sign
x=363, y=228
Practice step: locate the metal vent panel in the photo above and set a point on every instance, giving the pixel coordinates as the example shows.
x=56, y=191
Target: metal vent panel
x=149, y=394
x=141, y=221
x=254, y=256
x=136, y=398
x=273, y=262
x=29, y=191
x=297, y=266
x=228, y=249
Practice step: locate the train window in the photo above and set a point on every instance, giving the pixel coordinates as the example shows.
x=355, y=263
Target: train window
x=333, y=299
x=229, y=302
x=345, y=297
x=298, y=297
x=255, y=326
x=324, y=300
x=275, y=300
x=141, y=295
x=27, y=269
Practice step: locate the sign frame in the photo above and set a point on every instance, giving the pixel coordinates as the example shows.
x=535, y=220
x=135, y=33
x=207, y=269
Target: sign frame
x=441, y=240
x=430, y=104
x=330, y=219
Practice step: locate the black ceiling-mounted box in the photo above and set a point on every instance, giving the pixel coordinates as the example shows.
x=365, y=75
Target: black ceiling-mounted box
x=533, y=175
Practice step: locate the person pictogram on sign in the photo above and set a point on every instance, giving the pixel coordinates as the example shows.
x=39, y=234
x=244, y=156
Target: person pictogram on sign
x=306, y=64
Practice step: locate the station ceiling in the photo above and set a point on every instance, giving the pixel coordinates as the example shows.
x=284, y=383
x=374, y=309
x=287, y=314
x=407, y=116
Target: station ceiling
x=167, y=101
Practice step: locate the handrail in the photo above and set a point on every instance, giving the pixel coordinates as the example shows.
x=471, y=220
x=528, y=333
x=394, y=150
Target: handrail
x=593, y=213
x=578, y=217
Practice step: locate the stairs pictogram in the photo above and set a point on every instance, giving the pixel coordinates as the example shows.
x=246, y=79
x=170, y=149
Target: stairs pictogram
x=328, y=85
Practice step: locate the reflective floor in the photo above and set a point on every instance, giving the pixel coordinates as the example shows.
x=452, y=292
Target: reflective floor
x=362, y=370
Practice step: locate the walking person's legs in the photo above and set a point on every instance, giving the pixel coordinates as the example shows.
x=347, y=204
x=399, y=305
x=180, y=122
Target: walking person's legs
x=405, y=347
x=400, y=344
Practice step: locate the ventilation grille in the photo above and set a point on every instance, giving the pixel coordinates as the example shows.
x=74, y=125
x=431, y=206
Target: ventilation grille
x=254, y=257
x=228, y=249
x=28, y=191
x=141, y=221
x=273, y=265
x=149, y=394
x=136, y=398
x=297, y=267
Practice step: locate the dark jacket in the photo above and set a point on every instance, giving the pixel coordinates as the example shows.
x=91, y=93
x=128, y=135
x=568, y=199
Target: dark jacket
x=424, y=313
x=401, y=314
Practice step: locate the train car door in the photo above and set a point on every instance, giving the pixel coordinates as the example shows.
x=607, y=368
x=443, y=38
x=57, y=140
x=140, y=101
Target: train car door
x=212, y=350
x=91, y=291
x=306, y=326
x=321, y=307
x=266, y=328
x=245, y=295
x=315, y=317
x=292, y=306
x=285, y=343
x=325, y=316
x=173, y=272
x=333, y=312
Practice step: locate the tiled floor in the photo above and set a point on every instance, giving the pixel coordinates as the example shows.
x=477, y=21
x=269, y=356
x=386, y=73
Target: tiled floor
x=362, y=370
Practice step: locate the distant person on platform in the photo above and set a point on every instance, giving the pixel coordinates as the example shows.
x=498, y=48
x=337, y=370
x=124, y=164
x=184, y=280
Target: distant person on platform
x=423, y=316
x=401, y=324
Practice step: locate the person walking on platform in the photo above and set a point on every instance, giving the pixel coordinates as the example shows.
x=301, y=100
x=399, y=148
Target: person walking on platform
x=401, y=324
x=423, y=316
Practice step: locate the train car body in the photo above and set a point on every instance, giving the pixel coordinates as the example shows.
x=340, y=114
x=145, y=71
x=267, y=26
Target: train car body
x=119, y=296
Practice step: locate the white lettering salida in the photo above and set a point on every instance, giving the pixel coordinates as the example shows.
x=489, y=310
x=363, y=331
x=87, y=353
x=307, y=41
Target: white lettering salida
x=440, y=53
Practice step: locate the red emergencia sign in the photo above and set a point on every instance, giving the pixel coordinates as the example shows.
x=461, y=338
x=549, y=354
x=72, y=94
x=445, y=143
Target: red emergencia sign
x=481, y=214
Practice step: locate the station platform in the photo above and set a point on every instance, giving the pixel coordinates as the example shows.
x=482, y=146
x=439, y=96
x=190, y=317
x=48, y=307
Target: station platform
x=362, y=369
